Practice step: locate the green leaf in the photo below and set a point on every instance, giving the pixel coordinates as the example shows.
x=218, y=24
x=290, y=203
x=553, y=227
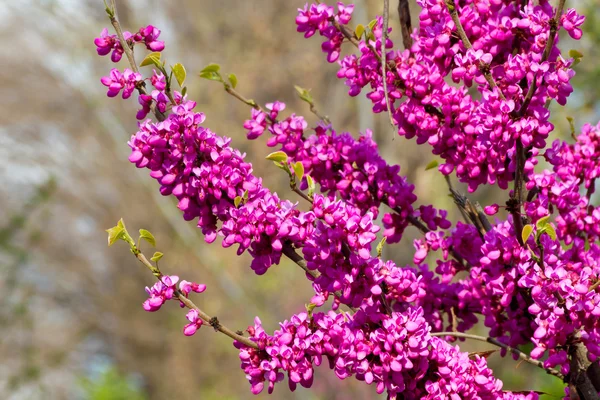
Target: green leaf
x=157, y=256
x=432, y=165
x=278, y=156
x=109, y=10
x=299, y=170
x=575, y=53
x=380, y=246
x=148, y=237
x=526, y=232
x=304, y=94
x=184, y=91
x=309, y=308
x=151, y=59
x=211, y=68
x=550, y=231
x=542, y=222
x=115, y=233
x=572, y=125
x=359, y=30
x=372, y=24
x=180, y=74
x=245, y=197
x=237, y=201
x=311, y=185
x=233, y=80
x=212, y=76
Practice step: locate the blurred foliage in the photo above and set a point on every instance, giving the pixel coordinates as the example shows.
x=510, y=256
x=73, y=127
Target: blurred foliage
x=110, y=385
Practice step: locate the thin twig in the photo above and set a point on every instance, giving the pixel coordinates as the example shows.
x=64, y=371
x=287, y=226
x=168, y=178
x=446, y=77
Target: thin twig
x=512, y=350
x=384, y=37
x=212, y=321
x=300, y=193
x=405, y=23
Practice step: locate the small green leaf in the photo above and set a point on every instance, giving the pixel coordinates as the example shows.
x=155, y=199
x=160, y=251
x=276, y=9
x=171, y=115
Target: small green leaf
x=380, y=246
x=304, y=94
x=309, y=308
x=184, y=91
x=237, y=201
x=299, y=170
x=550, y=231
x=359, y=30
x=115, y=233
x=151, y=59
x=575, y=53
x=233, y=80
x=180, y=74
x=212, y=76
x=542, y=222
x=432, y=165
x=278, y=156
x=148, y=237
x=526, y=232
x=572, y=125
x=372, y=24
x=245, y=197
x=311, y=185
x=157, y=256
x=211, y=68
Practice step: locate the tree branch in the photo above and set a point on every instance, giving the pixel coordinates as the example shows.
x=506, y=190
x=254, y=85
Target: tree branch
x=212, y=321
x=384, y=37
x=578, y=377
x=405, y=23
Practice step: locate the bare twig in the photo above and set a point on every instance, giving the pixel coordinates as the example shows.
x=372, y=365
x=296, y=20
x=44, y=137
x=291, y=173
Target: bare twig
x=212, y=321
x=512, y=350
x=384, y=37
x=405, y=24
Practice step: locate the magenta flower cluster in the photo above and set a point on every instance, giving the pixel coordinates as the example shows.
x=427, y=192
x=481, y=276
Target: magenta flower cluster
x=345, y=167
x=393, y=352
x=321, y=18
x=475, y=137
x=107, y=43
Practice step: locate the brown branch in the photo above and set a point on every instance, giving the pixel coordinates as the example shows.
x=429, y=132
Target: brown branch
x=405, y=24
x=212, y=321
x=578, y=377
x=384, y=36
x=512, y=350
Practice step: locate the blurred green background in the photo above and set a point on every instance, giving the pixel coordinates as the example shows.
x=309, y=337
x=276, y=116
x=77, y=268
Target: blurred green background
x=71, y=321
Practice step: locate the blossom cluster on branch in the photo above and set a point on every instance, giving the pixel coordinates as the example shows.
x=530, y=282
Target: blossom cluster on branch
x=527, y=279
